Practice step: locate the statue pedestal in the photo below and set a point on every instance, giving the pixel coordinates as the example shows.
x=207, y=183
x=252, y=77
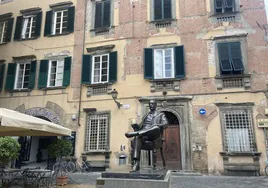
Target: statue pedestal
x=145, y=178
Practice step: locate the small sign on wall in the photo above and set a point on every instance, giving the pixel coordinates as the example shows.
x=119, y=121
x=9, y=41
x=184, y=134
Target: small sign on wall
x=262, y=123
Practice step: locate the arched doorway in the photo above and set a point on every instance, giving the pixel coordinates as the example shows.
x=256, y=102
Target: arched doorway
x=172, y=143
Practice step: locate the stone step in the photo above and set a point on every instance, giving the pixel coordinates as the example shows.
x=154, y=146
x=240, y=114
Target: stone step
x=185, y=173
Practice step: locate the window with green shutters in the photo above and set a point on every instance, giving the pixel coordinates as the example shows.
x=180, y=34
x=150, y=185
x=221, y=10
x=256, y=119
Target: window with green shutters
x=230, y=58
x=54, y=73
x=99, y=68
x=162, y=9
x=21, y=76
x=102, y=14
x=166, y=63
x=59, y=21
x=28, y=26
x=2, y=74
x=6, y=30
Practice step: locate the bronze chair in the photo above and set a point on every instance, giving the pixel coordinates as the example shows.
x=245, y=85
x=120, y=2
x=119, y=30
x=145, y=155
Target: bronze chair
x=152, y=146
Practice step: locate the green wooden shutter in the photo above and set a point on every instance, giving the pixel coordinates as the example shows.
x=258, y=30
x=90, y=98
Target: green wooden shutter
x=113, y=67
x=106, y=13
x=11, y=73
x=18, y=29
x=158, y=10
x=148, y=63
x=32, y=75
x=43, y=74
x=2, y=73
x=67, y=71
x=98, y=15
x=48, y=23
x=224, y=57
x=179, y=62
x=71, y=14
x=236, y=56
x=86, y=69
x=38, y=24
x=167, y=9
x=9, y=29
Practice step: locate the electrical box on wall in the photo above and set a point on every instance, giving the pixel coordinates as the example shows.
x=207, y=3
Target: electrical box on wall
x=266, y=111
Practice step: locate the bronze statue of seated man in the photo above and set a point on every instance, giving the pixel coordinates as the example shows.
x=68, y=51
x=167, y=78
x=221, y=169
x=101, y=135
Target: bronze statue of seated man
x=149, y=130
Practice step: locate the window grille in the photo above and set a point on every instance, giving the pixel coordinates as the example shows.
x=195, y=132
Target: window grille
x=238, y=131
x=162, y=25
x=103, y=31
x=226, y=18
x=233, y=82
x=99, y=90
x=97, y=133
x=159, y=86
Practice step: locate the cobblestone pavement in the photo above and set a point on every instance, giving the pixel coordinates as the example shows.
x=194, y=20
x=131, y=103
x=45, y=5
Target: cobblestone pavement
x=87, y=180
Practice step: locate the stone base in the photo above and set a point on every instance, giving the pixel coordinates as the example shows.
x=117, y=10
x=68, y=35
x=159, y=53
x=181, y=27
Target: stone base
x=142, y=179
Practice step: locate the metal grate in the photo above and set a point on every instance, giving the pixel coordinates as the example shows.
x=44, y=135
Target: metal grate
x=97, y=133
x=238, y=131
x=226, y=18
x=233, y=82
x=159, y=86
x=99, y=90
x=103, y=31
x=162, y=24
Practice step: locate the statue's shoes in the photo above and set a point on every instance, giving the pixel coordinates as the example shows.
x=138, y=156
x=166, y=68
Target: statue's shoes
x=131, y=134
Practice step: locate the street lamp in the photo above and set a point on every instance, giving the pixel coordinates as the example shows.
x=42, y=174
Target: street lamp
x=114, y=96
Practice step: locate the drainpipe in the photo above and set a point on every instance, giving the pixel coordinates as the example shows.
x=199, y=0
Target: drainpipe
x=81, y=85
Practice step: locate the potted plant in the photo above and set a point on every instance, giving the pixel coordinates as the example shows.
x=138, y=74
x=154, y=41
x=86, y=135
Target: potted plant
x=9, y=150
x=59, y=149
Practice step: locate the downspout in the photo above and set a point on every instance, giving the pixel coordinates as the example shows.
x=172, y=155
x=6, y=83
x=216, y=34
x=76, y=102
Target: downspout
x=84, y=37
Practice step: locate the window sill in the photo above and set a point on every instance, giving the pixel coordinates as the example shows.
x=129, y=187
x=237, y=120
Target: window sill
x=232, y=76
x=101, y=30
x=3, y=43
x=224, y=153
x=224, y=14
x=20, y=90
x=162, y=21
x=32, y=38
x=165, y=79
x=56, y=35
x=54, y=88
x=96, y=152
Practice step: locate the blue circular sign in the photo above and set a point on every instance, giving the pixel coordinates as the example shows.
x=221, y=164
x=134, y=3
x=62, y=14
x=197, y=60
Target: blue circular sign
x=202, y=111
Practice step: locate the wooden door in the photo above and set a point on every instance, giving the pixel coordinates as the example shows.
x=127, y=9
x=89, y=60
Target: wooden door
x=171, y=150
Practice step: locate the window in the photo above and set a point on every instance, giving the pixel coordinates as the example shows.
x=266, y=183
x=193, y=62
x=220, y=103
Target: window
x=55, y=74
x=97, y=133
x=230, y=58
x=102, y=14
x=238, y=130
x=22, y=75
x=222, y=6
x=162, y=10
x=100, y=68
x=163, y=63
x=28, y=27
x=3, y=31
x=59, y=23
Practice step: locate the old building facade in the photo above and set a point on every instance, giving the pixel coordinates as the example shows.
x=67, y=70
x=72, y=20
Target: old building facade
x=203, y=61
